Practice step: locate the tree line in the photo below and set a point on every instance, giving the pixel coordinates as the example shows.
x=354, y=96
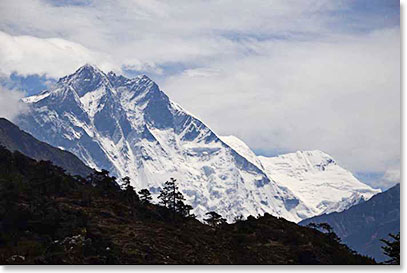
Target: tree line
x=170, y=197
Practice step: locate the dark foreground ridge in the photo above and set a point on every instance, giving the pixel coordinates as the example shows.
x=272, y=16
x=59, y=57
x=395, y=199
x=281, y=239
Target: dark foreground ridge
x=15, y=139
x=49, y=217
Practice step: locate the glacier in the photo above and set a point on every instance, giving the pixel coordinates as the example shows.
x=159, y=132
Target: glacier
x=131, y=128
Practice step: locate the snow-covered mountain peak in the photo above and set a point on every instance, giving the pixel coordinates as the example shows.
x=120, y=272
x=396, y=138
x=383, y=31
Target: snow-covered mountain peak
x=131, y=128
x=316, y=178
x=135, y=91
x=302, y=160
x=90, y=79
x=86, y=79
x=90, y=91
x=313, y=176
x=86, y=72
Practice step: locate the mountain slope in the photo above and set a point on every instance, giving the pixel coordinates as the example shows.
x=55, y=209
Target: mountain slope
x=362, y=226
x=241, y=148
x=15, y=139
x=131, y=128
x=48, y=217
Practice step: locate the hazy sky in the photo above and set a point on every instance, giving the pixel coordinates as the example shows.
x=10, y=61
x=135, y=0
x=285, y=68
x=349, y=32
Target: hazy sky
x=281, y=75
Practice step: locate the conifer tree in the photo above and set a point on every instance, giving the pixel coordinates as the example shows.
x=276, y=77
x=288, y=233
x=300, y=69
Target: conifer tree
x=214, y=219
x=185, y=209
x=170, y=195
x=173, y=199
x=327, y=229
x=392, y=249
x=145, y=196
x=126, y=184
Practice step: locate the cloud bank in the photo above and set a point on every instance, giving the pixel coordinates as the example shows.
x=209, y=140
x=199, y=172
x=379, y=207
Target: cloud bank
x=52, y=57
x=10, y=104
x=325, y=95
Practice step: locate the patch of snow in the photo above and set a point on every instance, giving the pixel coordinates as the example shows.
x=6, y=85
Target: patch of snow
x=91, y=101
x=36, y=98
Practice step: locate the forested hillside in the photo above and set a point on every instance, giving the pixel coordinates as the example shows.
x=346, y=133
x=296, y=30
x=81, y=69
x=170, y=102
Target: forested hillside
x=49, y=217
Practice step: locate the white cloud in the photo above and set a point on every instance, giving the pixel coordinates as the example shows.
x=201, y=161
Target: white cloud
x=339, y=95
x=10, y=104
x=390, y=178
x=54, y=57
x=144, y=34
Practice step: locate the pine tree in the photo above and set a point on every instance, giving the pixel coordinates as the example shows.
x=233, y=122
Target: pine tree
x=173, y=199
x=327, y=229
x=184, y=210
x=214, y=220
x=392, y=249
x=126, y=184
x=170, y=195
x=145, y=196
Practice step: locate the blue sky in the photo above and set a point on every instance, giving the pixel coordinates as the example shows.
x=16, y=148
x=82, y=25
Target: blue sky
x=281, y=75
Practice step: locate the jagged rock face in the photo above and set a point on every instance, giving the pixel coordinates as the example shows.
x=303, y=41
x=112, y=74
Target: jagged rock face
x=131, y=128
